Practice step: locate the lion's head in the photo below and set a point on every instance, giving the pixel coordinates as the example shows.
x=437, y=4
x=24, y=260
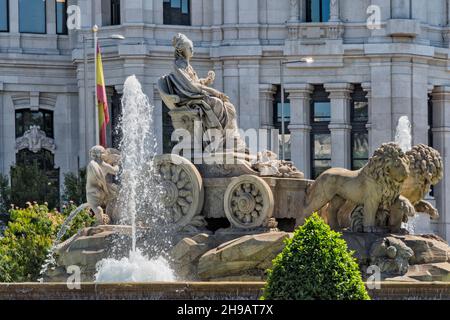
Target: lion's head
x=389, y=167
x=426, y=162
x=426, y=169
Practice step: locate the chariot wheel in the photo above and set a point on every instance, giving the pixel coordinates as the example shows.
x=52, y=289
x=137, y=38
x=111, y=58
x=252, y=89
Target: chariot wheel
x=248, y=202
x=182, y=188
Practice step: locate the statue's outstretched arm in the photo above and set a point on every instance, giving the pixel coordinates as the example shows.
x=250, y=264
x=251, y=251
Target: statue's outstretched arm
x=209, y=80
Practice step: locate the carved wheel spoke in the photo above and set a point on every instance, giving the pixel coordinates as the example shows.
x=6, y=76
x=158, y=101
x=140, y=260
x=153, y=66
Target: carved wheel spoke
x=248, y=202
x=182, y=188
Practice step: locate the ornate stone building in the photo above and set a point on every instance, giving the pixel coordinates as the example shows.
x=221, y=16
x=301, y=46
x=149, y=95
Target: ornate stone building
x=374, y=61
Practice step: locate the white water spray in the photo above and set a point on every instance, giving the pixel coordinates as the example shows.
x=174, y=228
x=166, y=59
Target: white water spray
x=139, y=192
x=403, y=134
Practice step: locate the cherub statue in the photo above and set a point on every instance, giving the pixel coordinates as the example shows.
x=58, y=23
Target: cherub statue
x=101, y=191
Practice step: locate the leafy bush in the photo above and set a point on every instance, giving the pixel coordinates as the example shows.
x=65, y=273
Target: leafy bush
x=29, y=236
x=5, y=193
x=315, y=265
x=75, y=187
x=30, y=183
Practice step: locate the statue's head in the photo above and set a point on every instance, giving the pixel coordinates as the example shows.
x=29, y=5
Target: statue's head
x=96, y=153
x=184, y=48
x=390, y=162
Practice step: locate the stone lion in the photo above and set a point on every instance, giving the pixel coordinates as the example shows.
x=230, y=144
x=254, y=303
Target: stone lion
x=377, y=185
x=426, y=170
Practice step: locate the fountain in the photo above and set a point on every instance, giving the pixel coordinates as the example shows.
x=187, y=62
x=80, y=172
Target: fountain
x=165, y=203
x=139, y=191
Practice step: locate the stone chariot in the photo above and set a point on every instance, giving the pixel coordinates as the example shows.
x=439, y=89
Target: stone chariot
x=216, y=188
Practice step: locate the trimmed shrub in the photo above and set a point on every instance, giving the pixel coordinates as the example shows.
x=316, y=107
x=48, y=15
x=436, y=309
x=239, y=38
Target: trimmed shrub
x=29, y=236
x=75, y=187
x=315, y=265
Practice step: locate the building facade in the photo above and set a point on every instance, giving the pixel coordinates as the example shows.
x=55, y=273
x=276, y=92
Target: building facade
x=374, y=61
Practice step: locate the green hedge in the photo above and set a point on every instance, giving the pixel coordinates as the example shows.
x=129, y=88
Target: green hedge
x=29, y=236
x=315, y=265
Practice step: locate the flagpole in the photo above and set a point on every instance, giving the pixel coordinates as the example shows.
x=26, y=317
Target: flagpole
x=97, y=127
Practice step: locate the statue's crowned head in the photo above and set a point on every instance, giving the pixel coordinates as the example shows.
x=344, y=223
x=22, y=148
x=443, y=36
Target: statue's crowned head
x=184, y=48
x=96, y=153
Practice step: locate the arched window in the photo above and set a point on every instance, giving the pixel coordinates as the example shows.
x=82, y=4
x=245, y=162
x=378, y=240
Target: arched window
x=320, y=133
x=32, y=16
x=4, y=15
x=360, y=134
x=61, y=16
x=317, y=10
x=177, y=12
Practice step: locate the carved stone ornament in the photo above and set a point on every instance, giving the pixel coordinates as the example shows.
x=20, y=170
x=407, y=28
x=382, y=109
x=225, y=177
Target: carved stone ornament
x=35, y=140
x=248, y=202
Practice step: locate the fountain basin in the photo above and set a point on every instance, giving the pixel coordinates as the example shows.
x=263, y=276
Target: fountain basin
x=199, y=291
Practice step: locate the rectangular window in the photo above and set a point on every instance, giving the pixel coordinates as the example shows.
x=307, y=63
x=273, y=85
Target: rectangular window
x=177, y=12
x=321, y=112
x=32, y=16
x=360, y=149
x=321, y=144
x=317, y=10
x=4, y=15
x=27, y=118
x=360, y=135
x=115, y=12
x=320, y=134
x=61, y=16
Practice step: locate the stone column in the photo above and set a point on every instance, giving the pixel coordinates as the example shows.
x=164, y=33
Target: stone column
x=334, y=11
x=381, y=103
x=133, y=11
x=9, y=133
x=231, y=82
x=196, y=12
x=231, y=19
x=294, y=12
x=14, y=35
x=158, y=12
x=401, y=91
x=441, y=141
x=217, y=21
x=300, y=96
x=249, y=98
x=86, y=13
x=340, y=126
x=51, y=17
x=419, y=101
x=401, y=9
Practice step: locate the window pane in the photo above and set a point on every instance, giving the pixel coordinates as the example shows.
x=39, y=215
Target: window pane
x=287, y=112
x=176, y=3
x=360, y=146
x=61, y=17
x=320, y=166
x=26, y=118
x=3, y=15
x=115, y=12
x=176, y=12
x=315, y=10
x=184, y=6
x=360, y=112
x=359, y=164
x=325, y=10
x=322, y=146
x=287, y=146
x=32, y=16
x=322, y=111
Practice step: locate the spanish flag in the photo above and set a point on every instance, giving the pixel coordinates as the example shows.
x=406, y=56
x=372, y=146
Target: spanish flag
x=102, y=101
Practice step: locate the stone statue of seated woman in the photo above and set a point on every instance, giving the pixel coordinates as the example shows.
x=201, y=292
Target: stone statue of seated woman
x=184, y=90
